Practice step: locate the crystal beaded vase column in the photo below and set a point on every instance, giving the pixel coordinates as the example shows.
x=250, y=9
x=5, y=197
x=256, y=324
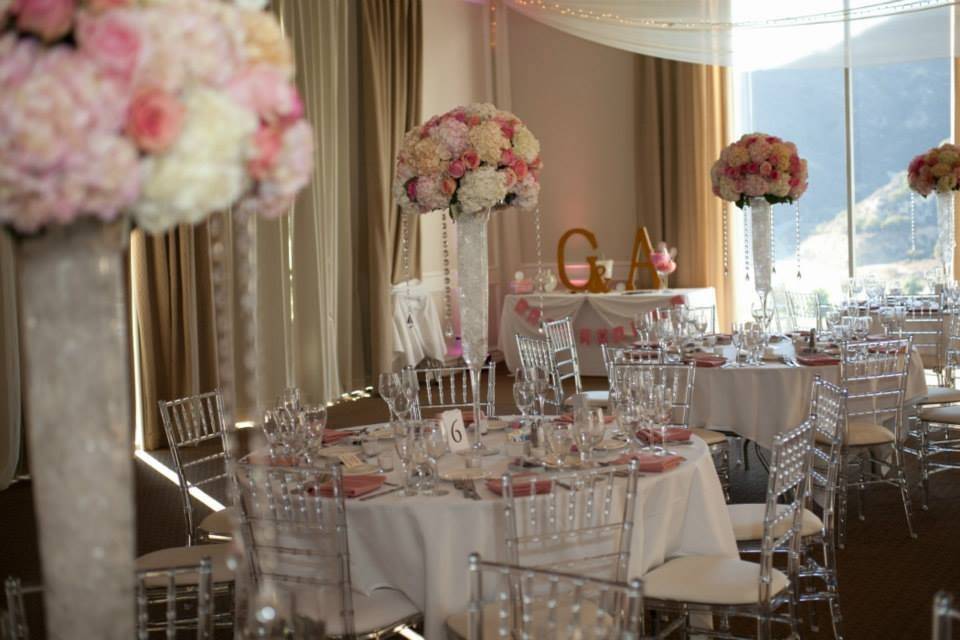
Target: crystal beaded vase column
x=473, y=274
x=77, y=363
x=761, y=222
x=946, y=234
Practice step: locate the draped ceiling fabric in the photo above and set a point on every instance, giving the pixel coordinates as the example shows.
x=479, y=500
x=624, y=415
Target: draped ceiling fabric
x=757, y=34
x=390, y=70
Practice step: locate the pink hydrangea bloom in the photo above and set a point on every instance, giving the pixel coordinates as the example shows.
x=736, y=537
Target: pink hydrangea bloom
x=294, y=166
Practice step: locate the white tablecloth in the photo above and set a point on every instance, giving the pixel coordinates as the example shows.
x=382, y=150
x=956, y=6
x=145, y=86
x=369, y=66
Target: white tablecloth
x=591, y=311
x=420, y=544
x=424, y=337
x=760, y=402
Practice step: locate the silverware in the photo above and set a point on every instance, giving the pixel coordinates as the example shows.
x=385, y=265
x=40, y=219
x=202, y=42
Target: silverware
x=382, y=493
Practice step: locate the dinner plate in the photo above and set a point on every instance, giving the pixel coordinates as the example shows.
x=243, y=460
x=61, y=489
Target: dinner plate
x=465, y=473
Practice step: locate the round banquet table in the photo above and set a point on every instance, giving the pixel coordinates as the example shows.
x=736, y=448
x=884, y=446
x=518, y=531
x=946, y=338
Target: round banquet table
x=420, y=544
x=758, y=402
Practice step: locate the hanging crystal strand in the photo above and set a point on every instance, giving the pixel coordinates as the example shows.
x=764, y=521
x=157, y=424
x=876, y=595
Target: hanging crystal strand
x=773, y=245
x=541, y=280
x=246, y=243
x=405, y=248
x=447, y=303
x=747, y=233
x=913, y=226
x=796, y=228
x=726, y=248
x=222, y=305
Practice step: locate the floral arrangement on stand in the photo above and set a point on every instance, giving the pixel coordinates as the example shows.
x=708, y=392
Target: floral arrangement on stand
x=759, y=165
x=663, y=261
x=935, y=170
x=467, y=160
x=162, y=110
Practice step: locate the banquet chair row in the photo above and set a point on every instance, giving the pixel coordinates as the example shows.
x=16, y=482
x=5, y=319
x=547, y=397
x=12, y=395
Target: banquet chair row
x=162, y=605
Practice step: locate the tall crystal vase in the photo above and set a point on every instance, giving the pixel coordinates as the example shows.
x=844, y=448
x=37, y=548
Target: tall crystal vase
x=946, y=234
x=474, y=307
x=760, y=224
x=77, y=361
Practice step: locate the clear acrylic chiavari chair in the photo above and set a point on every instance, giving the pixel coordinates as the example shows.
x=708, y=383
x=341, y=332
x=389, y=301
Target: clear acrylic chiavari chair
x=874, y=374
x=728, y=587
x=535, y=352
x=563, y=351
x=445, y=388
x=945, y=613
x=294, y=534
x=628, y=355
x=195, y=424
x=605, y=609
x=925, y=324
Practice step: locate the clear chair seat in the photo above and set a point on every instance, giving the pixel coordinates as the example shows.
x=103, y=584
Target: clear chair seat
x=940, y=395
x=715, y=580
x=382, y=609
x=709, y=436
x=863, y=433
x=183, y=556
x=946, y=415
x=599, y=398
x=747, y=520
x=457, y=623
x=219, y=522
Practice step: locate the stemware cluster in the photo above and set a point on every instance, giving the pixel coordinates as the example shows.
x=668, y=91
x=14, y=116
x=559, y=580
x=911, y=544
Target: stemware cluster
x=643, y=403
x=672, y=330
x=295, y=430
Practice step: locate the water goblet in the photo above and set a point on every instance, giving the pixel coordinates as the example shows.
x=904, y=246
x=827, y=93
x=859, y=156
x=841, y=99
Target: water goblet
x=403, y=443
x=313, y=422
x=436, y=446
x=524, y=396
x=559, y=439
x=589, y=431
x=388, y=385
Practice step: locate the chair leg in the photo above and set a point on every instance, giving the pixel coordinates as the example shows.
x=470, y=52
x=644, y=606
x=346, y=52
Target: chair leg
x=922, y=452
x=833, y=587
x=904, y=489
x=861, y=467
x=745, y=454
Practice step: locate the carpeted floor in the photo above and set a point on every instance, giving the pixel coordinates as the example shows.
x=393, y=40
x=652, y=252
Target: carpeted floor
x=887, y=580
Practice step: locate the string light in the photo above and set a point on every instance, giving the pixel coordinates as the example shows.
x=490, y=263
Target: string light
x=447, y=304
x=913, y=226
x=405, y=240
x=726, y=248
x=747, y=234
x=796, y=223
x=541, y=279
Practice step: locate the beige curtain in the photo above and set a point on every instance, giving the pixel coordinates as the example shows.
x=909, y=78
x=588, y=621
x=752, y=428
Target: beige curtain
x=681, y=129
x=390, y=42
x=170, y=275
x=10, y=406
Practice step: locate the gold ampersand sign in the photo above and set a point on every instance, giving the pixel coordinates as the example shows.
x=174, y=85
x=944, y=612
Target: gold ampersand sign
x=596, y=281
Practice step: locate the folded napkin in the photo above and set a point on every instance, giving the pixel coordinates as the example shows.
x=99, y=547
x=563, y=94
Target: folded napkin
x=649, y=462
x=723, y=338
x=521, y=487
x=818, y=359
x=567, y=418
x=354, y=486
x=674, y=434
x=332, y=437
x=706, y=360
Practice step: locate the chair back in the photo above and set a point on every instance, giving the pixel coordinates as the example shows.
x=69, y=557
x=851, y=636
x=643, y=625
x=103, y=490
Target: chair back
x=577, y=521
x=535, y=352
x=539, y=603
x=828, y=410
x=157, y=593
x=627, y=355
x=945, y=612
x=294, y=532
x=875, y=375
x=563, y=350
x=790, y=463
x=925, y=322
x=449, y=388
x=951, y=338
x=196, y=422
x=678, y=377
x=802, y=311
x=14, y=621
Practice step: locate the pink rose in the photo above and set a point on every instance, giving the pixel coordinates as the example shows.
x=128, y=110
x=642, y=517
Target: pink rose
x=509, y=177
x=520, y=168
x=49, y=19
x=411, y=187
x=766, y=168
x=448, y=186
x=536, y=164
x=471, y=159
x=105, y=5
x=267, y=143
x=506, y=157
x=154, y=120
x=112, y=40
x=473, y=120
x=267, y=93
x=456, y=169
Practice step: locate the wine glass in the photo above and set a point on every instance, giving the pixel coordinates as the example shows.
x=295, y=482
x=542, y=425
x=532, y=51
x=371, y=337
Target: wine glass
x=436, y=446
x=403, y=443
x=370, y=446
x=664, y=414
x=539, y=378
x=560, y=439
x=290, y=400
x=737, y=335
x=388, y=386
x=861, y=327
x=588, y=431
x=524, y=396
x=313, y=422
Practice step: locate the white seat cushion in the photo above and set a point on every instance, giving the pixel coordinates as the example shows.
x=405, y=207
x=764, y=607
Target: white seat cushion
x=747, y=521
x=709, y=580
x=187, y=556
x=457, y=623
x=940, y=395
x=862, y=433
x=710, y=437
x=594, y=399
x=381, y=609
x=948, y=415
x=219, y=522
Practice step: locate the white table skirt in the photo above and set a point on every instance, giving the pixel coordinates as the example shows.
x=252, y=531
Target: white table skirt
x=591, y=311
x=424, y=337
x=420, y=544
x=760, y=402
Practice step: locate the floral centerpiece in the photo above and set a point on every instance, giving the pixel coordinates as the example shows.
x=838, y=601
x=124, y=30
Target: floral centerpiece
x=757, y=171
x=664, y=262
x=163, y=110
x=938, y=171
x=468, y=160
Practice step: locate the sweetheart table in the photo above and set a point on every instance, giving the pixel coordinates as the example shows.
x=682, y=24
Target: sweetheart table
x=420, y=544
x=612, y=313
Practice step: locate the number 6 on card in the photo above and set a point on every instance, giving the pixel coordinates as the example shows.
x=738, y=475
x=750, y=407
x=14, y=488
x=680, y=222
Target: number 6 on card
x=454, y=429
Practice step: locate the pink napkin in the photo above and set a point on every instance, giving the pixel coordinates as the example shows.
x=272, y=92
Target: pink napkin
x=818, y=360
x=522, y=488
x=332, y=437
x=650, y=463
x=674, y=434
x=354, y=486
x=706, y=360
x=724, y=338
x=567, y=418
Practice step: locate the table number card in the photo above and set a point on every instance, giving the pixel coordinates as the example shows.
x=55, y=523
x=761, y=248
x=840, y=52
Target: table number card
x=455, y=430
x=350, y=461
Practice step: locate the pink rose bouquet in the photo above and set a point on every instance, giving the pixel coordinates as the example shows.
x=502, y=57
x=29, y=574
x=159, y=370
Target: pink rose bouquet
x=759, y=166
x=936, y=170
x=163, y=111
x=663, y=259
x=467, y=160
